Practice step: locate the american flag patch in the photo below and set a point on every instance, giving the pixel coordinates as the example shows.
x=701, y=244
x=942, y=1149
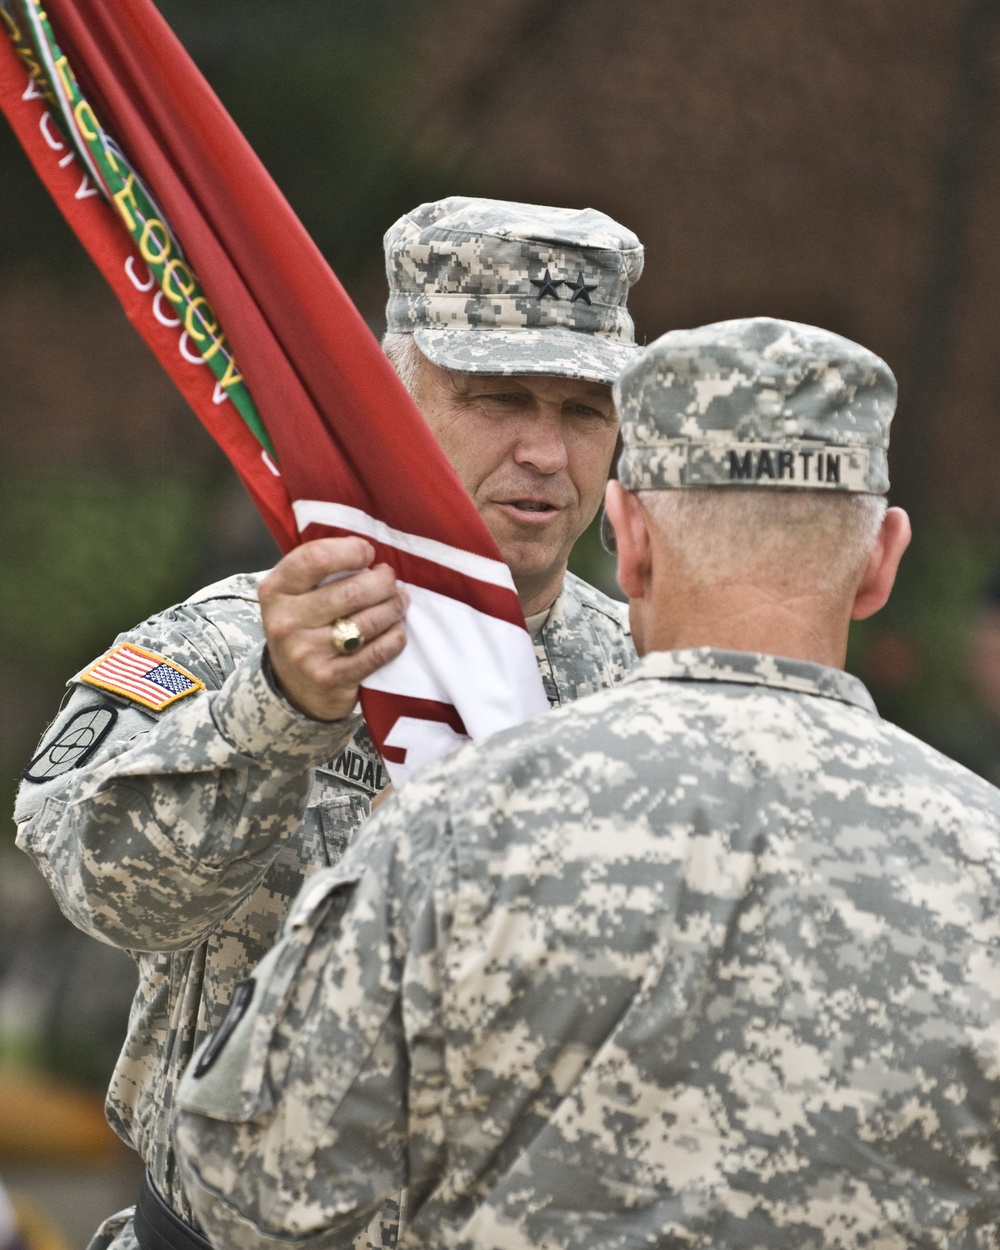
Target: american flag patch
x=142, y=676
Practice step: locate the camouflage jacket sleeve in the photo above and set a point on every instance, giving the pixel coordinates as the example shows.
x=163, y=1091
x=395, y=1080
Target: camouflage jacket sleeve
x=323, y=1098
x=149, y=826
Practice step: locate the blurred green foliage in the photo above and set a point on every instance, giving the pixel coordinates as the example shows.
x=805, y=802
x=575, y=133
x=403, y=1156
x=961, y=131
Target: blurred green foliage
x=912, y=654
x=317, y=87
x=590, y=561
x=85, y=556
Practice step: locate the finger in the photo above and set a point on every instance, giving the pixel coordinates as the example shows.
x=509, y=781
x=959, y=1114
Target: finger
x=372, y=621
x=349, y=597
x=288, y=614
x=321, y=683
x=305, y=567
x=349, y=671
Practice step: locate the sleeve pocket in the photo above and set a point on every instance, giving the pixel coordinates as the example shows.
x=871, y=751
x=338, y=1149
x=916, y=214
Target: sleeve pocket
x=228, y=1078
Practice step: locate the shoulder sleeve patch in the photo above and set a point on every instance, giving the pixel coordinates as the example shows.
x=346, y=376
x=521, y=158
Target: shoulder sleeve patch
x=142, y=676
x=73, y=744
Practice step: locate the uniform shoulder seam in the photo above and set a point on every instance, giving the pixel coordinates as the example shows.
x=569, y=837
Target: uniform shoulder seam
x=595, y=600
x=238, y=586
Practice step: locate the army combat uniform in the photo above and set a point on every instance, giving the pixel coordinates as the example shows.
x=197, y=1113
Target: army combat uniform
x=183, y=835
x=712, y=959
x=708, y=960
x=179, y=821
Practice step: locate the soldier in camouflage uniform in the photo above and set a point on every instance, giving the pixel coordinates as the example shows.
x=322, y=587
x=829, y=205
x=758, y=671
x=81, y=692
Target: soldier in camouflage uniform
x=710, y=959
x=194, y=778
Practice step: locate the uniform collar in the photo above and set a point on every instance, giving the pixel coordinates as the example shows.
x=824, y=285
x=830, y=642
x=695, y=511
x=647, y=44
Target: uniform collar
x=538, y=621
x=554, y=644
x=747, y=668
x=568, y=611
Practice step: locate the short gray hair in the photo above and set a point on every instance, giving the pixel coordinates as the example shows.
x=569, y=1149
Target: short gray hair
x=792, y=540
x=405, y=357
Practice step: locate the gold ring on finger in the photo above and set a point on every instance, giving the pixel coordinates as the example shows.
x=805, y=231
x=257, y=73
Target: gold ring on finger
x=345, y=637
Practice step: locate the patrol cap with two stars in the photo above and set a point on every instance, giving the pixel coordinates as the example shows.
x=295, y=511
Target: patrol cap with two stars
x=756, y=402
x=493, y=286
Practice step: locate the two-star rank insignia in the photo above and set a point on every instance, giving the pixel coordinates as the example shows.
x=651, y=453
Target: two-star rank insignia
x=547, y=285
x=581, y=289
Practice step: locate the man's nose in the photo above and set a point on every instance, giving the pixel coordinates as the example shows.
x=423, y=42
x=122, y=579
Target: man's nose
x=541, y=441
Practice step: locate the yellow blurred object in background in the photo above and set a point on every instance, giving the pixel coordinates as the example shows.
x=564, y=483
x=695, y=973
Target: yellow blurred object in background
x=43, y=1118
x=37, y=1231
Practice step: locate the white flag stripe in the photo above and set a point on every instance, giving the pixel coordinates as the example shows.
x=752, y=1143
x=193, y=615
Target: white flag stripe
x=482, y=568
x=456, y=654
x=129, y=663
x=150, y=692
x=123, y=670
x=424, y=741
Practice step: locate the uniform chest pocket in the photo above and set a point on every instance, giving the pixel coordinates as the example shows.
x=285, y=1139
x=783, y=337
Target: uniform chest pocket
x=326, y=829
x=338, y=818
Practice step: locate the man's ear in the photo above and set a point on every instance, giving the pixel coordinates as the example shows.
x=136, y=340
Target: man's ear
x=631, y=525
x=880, y=573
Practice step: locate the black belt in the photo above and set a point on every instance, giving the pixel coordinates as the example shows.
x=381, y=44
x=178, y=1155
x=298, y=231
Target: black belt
x=157, y=1227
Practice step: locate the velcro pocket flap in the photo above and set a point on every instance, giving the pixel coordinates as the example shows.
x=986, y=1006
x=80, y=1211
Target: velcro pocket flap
x=228, y=1077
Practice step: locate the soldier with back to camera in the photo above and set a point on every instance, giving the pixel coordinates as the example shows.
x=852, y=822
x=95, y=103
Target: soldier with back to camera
x=709, y=959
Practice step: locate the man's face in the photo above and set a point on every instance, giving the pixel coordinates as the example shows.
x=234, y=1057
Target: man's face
x=534, y=455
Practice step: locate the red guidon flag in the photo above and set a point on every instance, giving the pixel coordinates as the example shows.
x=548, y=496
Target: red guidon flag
x=220, y=278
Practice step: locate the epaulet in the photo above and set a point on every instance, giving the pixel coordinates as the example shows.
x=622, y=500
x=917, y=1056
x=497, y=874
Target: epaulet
x=315, y=891
x=597, y=601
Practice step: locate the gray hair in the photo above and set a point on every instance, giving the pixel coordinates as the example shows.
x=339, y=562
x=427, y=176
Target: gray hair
x=793, y=541
x=404, y=356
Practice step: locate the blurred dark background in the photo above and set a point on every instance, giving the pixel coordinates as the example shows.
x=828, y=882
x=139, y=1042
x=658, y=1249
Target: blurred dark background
x=835, y=164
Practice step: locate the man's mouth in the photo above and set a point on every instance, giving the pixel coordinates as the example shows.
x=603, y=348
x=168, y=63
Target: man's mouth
x=532, y=505
x=532, y=513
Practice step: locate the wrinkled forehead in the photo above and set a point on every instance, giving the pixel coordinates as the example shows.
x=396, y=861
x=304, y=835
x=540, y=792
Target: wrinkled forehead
x=542, y=385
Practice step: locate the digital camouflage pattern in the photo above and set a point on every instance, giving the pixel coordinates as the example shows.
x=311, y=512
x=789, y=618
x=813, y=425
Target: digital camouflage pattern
x=493, y=286
x=711, y=959
x=184, y=835
x=756, y=402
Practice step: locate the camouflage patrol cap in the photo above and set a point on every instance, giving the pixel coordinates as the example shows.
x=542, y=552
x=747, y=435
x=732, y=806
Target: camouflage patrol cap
x=756, y=402
x=492, y=286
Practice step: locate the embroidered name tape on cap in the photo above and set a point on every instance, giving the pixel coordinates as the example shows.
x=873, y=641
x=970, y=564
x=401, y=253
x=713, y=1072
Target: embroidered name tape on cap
x=142, y=676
